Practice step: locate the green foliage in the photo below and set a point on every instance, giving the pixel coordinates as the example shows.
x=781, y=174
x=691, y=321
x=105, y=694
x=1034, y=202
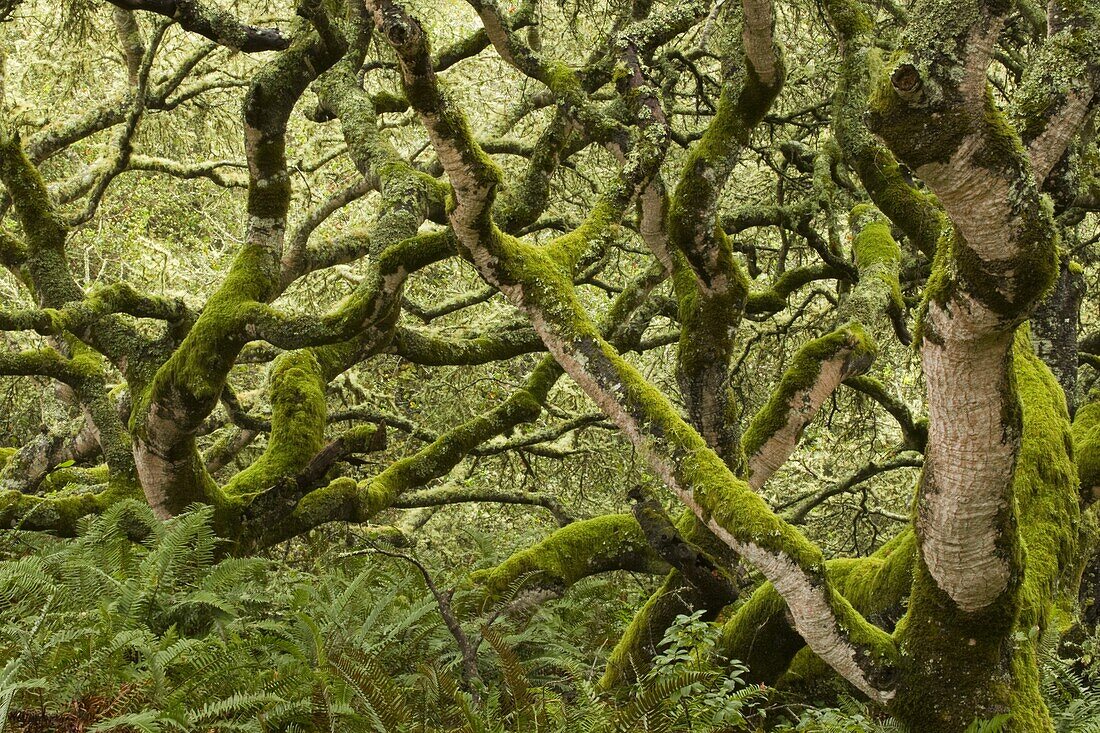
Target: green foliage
x=1069, y=686
x=136, y=625
x=157, y=635
x=690, y=684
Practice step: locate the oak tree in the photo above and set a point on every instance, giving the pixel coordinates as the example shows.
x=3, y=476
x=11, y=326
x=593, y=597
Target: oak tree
x=934, y=188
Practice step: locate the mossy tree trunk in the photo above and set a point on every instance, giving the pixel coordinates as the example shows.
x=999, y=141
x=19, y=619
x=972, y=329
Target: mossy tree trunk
x=997, y=499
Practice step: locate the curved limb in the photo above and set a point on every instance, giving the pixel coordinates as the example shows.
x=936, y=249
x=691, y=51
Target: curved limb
x=188, y=385
x=821, y=365
x=570, y=554
x=760, y=634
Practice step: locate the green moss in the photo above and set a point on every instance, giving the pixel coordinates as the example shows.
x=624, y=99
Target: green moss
x=1045, y=485
x=881, y=581
x=692, y=467
x=873, y=243
x=639, y=642
x=526, y=200
x=325, y=505
x=1086, y=445
x=574, y=552
x=803, y=372
x=708, y=329
x=41, y=224
x=774, y=298
x=297, y=394
x=562, y=79
x=907, y=129
x=61, y=478
x=915, y=212
x=335, y=502
x=1057, y=71
x=953, y=663
x=195, y=373
x=60, y=513
x=692, y=227
x=878, y=259
x=759, y=634
x=387, y=101
x=810, y=676
x=848, y=19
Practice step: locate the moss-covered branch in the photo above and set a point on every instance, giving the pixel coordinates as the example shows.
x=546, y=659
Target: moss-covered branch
x=59, y=515
x=419, y=347
x=710, y=286
x=572, y=553
x=759, y=632
x=773, y=299
x=408, y=195
x=79, y=316
x=916, y=213
x=1059, y=88
x=448, y=495
x=25, y=469
x=821, y=365
x=213, y=23
x=347, y=500
x=715, y=585
x=711, y=292
x=71, y=189
x=746, y=98
x=297, y=424
x=370, y=310
x=84, y=373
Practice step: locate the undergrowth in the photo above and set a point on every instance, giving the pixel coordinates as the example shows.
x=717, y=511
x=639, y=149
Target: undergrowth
x=138, y=625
